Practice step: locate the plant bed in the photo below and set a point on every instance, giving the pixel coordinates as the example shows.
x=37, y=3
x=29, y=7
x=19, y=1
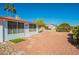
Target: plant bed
x=76, y=34
x=74, y=38
x=17, y=40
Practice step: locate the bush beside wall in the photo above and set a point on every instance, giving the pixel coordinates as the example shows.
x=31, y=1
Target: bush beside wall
x=63, y=28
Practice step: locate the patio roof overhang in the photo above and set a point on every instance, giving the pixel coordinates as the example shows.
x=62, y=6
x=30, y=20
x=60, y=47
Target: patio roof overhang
x=15, y=20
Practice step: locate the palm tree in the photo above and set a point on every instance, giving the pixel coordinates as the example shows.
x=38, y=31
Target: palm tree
x=6, y=8
x=12, y=9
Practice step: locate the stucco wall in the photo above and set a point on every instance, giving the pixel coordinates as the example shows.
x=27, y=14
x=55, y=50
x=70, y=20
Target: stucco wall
x=14, y=36
x=19, y=35
x=26, y=29
x=11, y=36
x=1, y=32
x=34, y=32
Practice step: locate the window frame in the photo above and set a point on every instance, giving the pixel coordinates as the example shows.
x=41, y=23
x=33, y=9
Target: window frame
x=15, y=27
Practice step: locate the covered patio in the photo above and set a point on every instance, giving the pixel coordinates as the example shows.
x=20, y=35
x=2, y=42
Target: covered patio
x=12, y=28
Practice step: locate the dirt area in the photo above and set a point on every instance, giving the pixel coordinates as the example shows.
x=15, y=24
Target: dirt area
x=48, y=42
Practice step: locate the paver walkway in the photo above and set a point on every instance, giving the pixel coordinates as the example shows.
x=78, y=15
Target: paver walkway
x=48, y=42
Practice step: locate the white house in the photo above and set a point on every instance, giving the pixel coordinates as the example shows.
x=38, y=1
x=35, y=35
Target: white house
x=51, y=26
x=12, y=28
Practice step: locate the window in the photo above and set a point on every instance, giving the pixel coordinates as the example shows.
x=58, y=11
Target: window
x=15, y=27
x=20, y=27
x=26, y=26
x=12, y=27
x=32, y=27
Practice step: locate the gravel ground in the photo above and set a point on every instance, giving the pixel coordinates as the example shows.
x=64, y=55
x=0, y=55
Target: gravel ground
x=48, y=43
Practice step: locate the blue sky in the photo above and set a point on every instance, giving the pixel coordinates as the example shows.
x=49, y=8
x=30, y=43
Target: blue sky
x=53, y=13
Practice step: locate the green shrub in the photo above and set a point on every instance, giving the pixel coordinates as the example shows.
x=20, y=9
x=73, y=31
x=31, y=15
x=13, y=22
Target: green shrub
x=63, y=27
x=17, y=40
x=76, y=34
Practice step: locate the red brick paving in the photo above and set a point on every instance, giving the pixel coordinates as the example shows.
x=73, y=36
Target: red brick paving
x=48, y=42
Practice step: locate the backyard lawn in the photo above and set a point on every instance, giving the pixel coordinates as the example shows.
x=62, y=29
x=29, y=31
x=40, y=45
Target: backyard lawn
x=48, y=42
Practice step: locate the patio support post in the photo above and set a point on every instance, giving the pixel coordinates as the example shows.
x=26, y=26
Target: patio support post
x=36, y=28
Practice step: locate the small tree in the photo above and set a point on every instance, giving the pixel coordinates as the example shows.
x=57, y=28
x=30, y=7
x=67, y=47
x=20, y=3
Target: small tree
x=40, y=22
x=65, y=27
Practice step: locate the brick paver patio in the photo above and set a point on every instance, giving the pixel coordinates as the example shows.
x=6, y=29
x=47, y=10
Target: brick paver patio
x=48, y=42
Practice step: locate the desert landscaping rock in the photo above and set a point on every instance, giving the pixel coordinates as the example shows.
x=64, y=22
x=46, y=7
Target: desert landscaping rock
x=8, y=48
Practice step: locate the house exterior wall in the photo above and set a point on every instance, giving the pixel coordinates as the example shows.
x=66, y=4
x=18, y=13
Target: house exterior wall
x=34, y=32
x=37, y=29
x=11, y=36
x=26, y=29
x=4, y=36
x=1, y=31
x=52, y=27
x=18, y=35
